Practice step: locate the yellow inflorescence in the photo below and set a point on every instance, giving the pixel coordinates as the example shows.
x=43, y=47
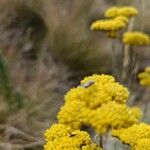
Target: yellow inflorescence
x=133, y=135
x=136, y=38
x=113, y=115
x=74, y=113
x=126, y=11
x=108, y=25
x=145, y=77
x=104, y=89
x=61, y=137
x=98, y=95
x=142, y=144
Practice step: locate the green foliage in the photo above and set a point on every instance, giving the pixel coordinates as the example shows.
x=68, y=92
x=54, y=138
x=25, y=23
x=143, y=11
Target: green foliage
x=6, y=89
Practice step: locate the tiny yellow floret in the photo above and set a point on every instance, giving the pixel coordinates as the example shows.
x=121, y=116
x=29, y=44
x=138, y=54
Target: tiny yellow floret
x=136, y=38
x=126, y=11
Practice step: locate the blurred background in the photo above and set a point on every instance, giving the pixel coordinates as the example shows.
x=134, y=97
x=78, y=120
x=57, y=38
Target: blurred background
x=46, y=47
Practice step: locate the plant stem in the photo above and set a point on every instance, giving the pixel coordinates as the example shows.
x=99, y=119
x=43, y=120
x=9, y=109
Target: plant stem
x=101, y=141
x=146, y=104
x=126, y=57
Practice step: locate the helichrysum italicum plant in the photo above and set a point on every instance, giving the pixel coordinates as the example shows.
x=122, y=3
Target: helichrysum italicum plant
x=144, y=77
x=62, y=137
x=136, y=38
x=98, y=102
x=127, y=11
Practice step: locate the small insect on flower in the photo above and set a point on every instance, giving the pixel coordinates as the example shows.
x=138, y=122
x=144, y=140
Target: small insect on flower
x=86, y=85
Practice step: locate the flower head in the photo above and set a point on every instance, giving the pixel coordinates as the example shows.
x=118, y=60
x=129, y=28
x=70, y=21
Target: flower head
x=96, y=94
x=114, y=116
x=104, y=89
x=136, y=38
x=126, y=11
x=133, y=134
x=60, y=137
x=142, y=144
x=108, y=25
x=145, y=77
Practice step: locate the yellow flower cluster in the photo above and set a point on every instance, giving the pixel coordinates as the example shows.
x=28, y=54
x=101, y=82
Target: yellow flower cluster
x=108, y=25
x=104, y=89
x=145, y=77
x=127, y=11
x=119, y=20
x=114, y=34
x=137, y=136
x=136, y=38
x=61, y=137
x=142, y=144
x=113, y=115
x=98, y=102
x=74, y=114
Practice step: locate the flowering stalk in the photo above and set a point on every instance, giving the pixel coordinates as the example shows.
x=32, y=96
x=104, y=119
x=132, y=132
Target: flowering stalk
x=126, y=57
x=146, y=105
x=114, y=58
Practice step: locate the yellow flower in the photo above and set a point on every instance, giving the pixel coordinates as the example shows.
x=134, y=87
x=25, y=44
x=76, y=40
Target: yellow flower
x=114, y=116
x=136, y=112
x=147, y=69
x=142, y=144
x=74, y=113
x=145, y=77
x=114, y=34
x=136, y=38
x=94, y=91
x=108, y=25
x=61, y=137
x=132, y=134
x=104, y=89
x=126, y=11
